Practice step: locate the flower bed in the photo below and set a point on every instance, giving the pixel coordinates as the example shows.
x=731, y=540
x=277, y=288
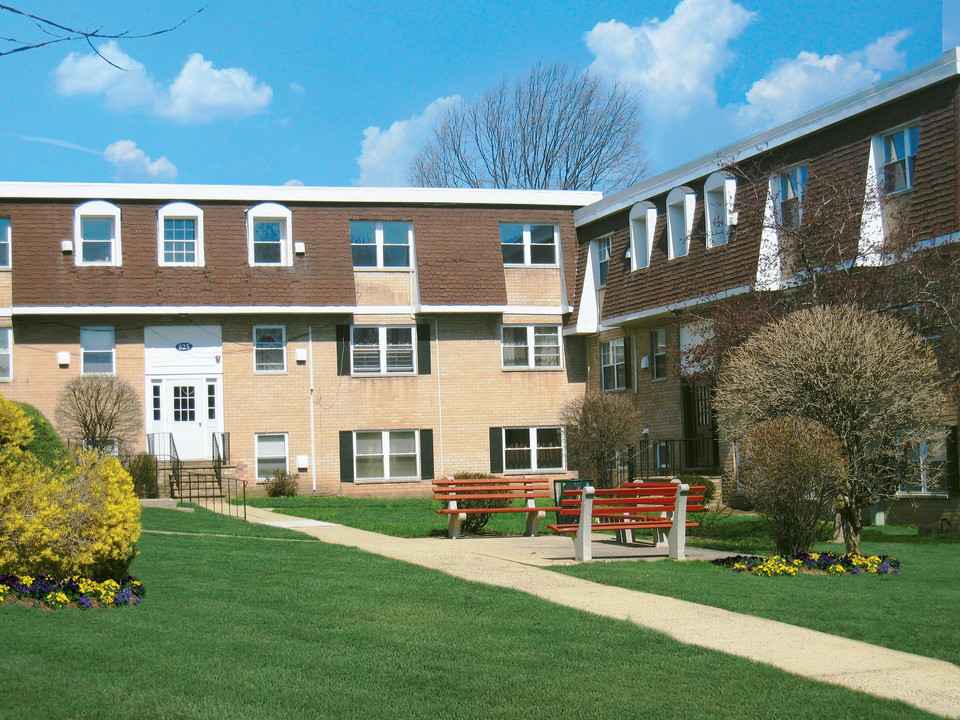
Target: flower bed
x=76, y=591
x=825, y=562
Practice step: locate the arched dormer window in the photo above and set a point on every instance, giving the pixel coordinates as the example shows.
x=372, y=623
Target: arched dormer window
x=719, y=192
x=643, y=221
x=96, y=233
x=681, y=203
x=180, y=234
x=269, y=235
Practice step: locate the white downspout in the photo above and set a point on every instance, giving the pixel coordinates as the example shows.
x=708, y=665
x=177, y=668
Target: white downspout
x=313, y=434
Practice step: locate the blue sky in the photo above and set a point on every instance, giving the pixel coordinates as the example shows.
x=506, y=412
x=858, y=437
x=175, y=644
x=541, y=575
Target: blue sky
x=343, y=93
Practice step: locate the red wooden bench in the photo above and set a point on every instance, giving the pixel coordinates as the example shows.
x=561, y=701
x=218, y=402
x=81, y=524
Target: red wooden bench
x=661, y=507
x=453, y=492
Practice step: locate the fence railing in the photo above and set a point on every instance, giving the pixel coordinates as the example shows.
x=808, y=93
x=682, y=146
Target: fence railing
x=669, y=458
x=163, y=447
x=227, y=496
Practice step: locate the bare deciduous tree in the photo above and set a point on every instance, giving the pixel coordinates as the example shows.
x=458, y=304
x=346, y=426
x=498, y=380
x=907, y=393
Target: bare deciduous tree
x=553, y=129
x=98, y=408
x=49, y=32
x=865, y=377
x=597, y=427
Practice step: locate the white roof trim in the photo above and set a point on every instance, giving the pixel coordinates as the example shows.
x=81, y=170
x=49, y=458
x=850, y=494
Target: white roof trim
x=614, y=322
x=21, y=310
x=295, y=194
x=947, y=66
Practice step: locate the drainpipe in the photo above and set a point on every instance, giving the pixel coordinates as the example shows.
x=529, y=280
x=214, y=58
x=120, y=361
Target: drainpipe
x=313, y=435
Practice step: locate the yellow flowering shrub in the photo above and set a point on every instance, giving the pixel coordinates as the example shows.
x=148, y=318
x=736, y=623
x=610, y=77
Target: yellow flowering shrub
x=16, y=428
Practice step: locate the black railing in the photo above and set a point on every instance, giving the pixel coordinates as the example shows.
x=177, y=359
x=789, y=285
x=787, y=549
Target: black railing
x=669, y=458
x=164, y=449
x=227, y=496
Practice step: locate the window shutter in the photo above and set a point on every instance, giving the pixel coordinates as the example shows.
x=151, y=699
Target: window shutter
x=426, y=455
x=496, y=450
x=346, y=456
x=343, y=349
x=631, y=463
x=423, y=349
x=627, y=363
x=953, y=470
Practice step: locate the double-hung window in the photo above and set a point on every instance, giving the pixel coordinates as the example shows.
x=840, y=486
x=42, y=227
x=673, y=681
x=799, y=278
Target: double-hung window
x=269, y=349
x=613, y=365
x=529, y=244
x=96, y=233
x=378, y=350
x=6, y=354
x=532, y=448
x=269, y=235
x=603, y=246
x=386, y=454
x=530, y=346
x=658, y=351
x=97, y=351
x=181, y=234
x=384, y=245
x=790, y=187
x=4, y=242
x=899, y=155
x=272, y=455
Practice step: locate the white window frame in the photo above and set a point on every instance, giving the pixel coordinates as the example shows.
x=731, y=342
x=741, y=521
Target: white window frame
x=908, y=160
x=6, y=334
x=796, y=177
x=528, y=244
x=604, y=249
x=276, y=213
x=6, y=241
x=658, y=360
x=613, y=355
x=643, y=223
x=681, y=205
x=382, y=348
x=386, y=455
x=531, y=347
x=719, y=193
x=921, y=457
x=112, y=350
x=258, y=456
x=97, y=210
x=180, y=211
x=256, y=349
x=533, y=449
x=379, y=244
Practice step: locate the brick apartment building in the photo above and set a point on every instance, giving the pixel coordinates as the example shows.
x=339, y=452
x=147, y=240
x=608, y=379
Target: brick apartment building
x=713, y=228
x=371, y=339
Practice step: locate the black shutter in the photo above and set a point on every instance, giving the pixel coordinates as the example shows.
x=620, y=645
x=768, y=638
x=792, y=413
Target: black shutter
x=631, y=463
x=426, y=454
x=343, y=349
x=423, y=349
x=496, y=450
x=953, y=470
x=627, y=364
x=346, y=456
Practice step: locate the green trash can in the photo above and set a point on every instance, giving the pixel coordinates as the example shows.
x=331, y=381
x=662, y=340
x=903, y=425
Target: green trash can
x=558, y=487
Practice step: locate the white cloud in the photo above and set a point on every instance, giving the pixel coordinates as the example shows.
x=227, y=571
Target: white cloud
x=58, y=143
x=293, y=183
x=297, y=87
x=385, y=155
x=132, y=164
x=809, y=80
x=675, y=62
x=199, y=94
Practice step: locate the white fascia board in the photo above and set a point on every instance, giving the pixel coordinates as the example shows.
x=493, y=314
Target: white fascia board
x=296, y=194
x=22, y=310
x=946, y=67
x=614, y=322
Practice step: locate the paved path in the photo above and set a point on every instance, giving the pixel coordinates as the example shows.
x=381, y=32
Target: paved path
x=517, y=562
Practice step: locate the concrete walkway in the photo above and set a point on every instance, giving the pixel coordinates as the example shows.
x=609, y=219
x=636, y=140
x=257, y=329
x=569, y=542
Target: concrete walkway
x=517, y=562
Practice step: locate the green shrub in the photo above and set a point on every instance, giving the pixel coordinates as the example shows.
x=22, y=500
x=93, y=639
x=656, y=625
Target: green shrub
x=282, y=484
x=46, y=444
x=475, y=522
x=143, y=471
x=709, y=489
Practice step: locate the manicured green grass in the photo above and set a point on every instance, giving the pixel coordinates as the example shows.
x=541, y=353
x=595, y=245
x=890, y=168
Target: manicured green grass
x=210, y=523
x=905, y=612
x=247, y=628
x=399, y=517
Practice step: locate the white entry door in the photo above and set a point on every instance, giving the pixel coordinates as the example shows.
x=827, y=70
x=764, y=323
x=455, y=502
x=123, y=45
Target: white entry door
x=189, y=409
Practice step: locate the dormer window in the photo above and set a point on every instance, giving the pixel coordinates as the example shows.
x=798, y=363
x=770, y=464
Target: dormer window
x=180, y=233
x=719, y=192
x=899, y=156
x=603, y=246
x=269, y=235
x=96, y=233
x=681, y=203
x=789, y=188
x=643, y=221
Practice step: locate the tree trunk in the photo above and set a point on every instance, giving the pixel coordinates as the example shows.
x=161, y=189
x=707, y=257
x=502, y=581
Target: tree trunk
x=837, y=529
x=850, y=518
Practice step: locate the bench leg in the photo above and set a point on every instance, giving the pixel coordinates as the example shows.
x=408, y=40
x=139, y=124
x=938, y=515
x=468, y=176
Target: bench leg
x=454, y=520
x=582, y=548
x=678, y=533
x=659, y=538
x=533, y=519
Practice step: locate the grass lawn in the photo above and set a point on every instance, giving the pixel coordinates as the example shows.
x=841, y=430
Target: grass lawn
x=237, y=627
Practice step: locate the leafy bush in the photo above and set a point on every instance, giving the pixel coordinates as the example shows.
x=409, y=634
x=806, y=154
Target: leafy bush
x=46, y=445
x=143, y=471
x=793, y=472
x=475, y=522
x=16, y=430
x=282, y=484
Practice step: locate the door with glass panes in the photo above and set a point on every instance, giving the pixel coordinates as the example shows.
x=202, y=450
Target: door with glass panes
x=189, y=409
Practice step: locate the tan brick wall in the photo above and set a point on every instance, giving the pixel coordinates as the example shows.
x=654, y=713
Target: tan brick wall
x=385, y=287
x=533, y=286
